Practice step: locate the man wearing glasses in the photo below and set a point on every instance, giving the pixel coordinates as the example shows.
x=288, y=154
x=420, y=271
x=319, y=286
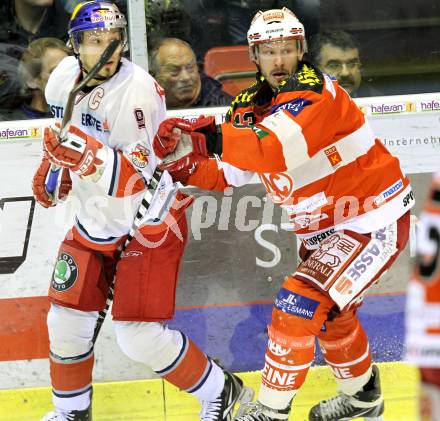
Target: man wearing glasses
x=337, y=54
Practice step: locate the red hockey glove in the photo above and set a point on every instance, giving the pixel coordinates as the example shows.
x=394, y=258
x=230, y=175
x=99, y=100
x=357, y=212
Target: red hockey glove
x=180, y=147
x=204, y=125
x=39, y=181
x=168, y=136
x=170, y=132
x=79, y=152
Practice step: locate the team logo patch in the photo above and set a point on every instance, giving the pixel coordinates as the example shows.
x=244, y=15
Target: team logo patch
x=139, y=156
x=333, y=156
x=102, y=15
x=279, y=186
x=140, y=119
x=273, y=16
x=65, y=273
x=308, y=76
x=295, y=304
x=293, y=107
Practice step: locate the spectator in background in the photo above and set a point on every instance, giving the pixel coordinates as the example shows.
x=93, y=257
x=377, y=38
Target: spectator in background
x=173, y=64
x=69, y=5
x=37, y=63
x=167, y=18
x=338, y=54
x=22, y=21
x=239, y=11
x=188, y=20
x=9, y=82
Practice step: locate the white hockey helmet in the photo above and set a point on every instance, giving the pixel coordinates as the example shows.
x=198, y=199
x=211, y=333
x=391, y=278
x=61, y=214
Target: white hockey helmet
x=275, y=25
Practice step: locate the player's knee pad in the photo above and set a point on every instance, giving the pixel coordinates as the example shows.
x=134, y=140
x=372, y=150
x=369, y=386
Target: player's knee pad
x=70, y=331
x=300, y=309
x=344, y=345
x=141, y=273
x=150, y=343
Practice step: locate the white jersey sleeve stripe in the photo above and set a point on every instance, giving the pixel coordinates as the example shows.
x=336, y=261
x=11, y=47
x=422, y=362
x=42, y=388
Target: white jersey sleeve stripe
x=235, y=176
x=290, y=135
x=349, y=148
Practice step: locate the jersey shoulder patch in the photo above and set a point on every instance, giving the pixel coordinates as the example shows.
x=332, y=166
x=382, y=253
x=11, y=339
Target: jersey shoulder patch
x=306, y=78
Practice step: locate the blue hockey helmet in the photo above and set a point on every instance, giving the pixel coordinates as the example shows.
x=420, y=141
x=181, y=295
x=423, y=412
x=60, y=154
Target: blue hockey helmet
x=96, y=15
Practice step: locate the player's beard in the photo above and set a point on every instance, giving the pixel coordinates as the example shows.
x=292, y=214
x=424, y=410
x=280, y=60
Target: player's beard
x=104, y=74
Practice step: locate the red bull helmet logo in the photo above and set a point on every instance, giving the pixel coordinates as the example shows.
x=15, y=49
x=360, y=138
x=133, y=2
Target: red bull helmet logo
x=102, y=15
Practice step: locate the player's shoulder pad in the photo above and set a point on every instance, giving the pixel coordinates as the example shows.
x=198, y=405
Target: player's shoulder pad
x=244, y=98
x=135, y=73
x=135, y=82
x=306, y=78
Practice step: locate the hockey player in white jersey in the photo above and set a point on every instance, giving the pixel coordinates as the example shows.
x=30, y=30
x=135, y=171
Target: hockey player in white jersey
x=114, y=121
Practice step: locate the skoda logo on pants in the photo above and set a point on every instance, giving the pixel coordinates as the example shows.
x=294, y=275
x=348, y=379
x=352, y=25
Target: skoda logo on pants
x=65, y=273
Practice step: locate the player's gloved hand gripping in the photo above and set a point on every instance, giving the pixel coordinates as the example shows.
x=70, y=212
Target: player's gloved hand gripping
x=39, y=184
x=182, y=145
x=77, y=151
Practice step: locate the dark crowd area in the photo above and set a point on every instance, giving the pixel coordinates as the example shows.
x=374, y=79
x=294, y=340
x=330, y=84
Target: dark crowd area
x=374, y=48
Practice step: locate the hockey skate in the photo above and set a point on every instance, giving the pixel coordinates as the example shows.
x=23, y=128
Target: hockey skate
x=233, y=392
x=255, y=411
x=367, y=403
x=57, y=415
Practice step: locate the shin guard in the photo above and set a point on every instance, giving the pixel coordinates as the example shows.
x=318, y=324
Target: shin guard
x=346, y=351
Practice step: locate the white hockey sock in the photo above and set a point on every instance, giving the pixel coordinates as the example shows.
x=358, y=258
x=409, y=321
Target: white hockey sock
x=355, y=384
x=75, y=400
x=212, y=386
x=275, y=399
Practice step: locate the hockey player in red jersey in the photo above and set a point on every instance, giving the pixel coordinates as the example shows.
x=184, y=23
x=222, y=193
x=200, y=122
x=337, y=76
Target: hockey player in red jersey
x=107, y=152
x=423, y=306
x=347, y=199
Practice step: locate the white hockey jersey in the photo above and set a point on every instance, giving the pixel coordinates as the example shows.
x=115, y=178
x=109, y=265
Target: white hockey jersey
x=123, y=113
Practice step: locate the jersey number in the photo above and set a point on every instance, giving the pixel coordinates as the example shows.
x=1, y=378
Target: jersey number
x=245, y=119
